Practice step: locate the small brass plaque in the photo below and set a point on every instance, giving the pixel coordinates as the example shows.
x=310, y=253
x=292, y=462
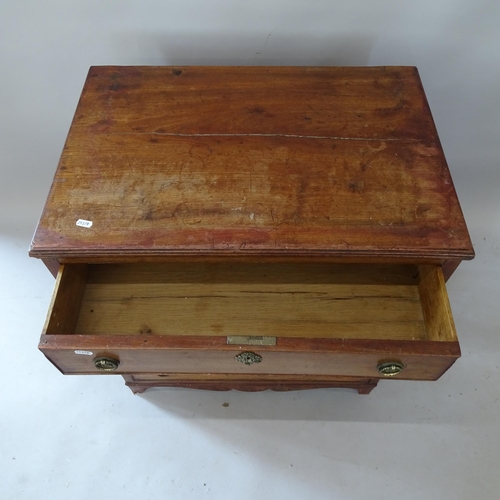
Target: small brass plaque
x=250, y=340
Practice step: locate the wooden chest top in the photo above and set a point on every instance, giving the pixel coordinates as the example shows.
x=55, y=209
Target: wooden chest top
x=280, y=161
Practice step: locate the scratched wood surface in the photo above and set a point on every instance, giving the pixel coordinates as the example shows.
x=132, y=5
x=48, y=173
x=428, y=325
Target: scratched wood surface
x=242, y=160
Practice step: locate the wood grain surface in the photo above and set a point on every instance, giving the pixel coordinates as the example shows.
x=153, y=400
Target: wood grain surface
x=275, y=299
x=248, y=383
x=435, y=304
x=424, y=360
x=329, y=320
x=242, y=160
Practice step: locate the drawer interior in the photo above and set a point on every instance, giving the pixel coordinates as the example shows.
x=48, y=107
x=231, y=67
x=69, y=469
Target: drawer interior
x=320, y=300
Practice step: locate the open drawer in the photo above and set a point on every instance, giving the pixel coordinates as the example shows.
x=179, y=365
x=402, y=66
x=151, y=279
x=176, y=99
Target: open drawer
x=316, y=319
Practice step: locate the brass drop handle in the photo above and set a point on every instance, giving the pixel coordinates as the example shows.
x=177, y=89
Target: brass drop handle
x=390, y=368
x=106, y=364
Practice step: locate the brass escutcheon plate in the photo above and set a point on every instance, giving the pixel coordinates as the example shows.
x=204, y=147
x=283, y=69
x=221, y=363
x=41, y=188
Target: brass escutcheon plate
x=248, y=358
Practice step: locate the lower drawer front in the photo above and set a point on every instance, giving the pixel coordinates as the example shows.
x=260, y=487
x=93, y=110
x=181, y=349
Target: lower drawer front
x=326, y=320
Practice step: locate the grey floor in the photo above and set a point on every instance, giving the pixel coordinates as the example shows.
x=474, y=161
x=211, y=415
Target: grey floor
x=83, y=437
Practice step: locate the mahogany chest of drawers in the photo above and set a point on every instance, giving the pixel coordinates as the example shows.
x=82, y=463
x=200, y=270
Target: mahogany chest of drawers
x=252, y=228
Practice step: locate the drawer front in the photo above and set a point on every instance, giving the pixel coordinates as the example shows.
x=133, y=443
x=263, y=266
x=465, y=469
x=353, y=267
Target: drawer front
x=359, y=358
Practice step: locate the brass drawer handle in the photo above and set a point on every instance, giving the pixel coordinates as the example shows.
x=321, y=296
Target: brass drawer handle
x=106, y=364
x=390, y=368
x=248, y=358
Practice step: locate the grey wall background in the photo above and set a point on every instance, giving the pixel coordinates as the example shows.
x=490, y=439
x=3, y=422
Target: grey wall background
x=77, y=436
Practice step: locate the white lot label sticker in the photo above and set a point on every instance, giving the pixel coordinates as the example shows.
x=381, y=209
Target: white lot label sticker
x=88, y=353
x=84, y=223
